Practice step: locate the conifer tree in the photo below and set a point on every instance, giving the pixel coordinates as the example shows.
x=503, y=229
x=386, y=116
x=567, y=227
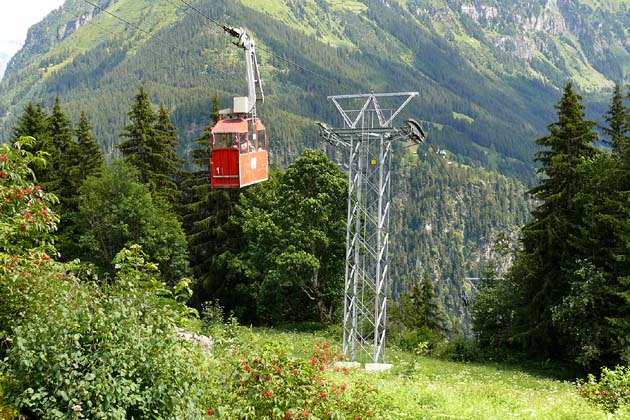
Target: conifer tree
x=91, y=156
x=168, y=172
x=540, y=269
x=141, y=135
x=34, y=123
x=618, y=122
x=83, y=159
x=151, y=146
x=64, y=155
x=420, y=307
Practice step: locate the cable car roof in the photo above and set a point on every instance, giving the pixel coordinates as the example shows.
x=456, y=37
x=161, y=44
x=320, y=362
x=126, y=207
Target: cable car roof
x=235, y=125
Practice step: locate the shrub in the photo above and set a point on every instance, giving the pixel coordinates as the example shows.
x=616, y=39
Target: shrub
x=273, y=386
x=111, y=352
x=611, y=391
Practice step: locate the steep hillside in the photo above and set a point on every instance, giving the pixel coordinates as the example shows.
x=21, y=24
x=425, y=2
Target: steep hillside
x=488, y=73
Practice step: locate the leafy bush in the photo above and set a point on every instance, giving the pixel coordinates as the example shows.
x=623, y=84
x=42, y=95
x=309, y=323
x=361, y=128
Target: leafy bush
x=111, y=352
x=26, y=222
x=271, y=385
x=611, y=391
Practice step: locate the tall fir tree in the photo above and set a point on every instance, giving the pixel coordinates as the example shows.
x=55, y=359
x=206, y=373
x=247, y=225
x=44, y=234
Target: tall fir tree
x=83, y=159
x=151, y=146
x=618, y=121
x=169, y=173
x=64, y=154
x=141, y=135
x=91, y=156
x=420, y=307
x=541, y=268
x=34, y=123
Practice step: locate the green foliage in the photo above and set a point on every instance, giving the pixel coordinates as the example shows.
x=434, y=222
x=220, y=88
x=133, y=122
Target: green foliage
x=293, y=230
x=416, y=323
x=115, y=209
x=26, y=219
x=540, y=270
x=618, y=122
x=150, y=146
x=611, y=391
x=111, y=353
x=272, y=385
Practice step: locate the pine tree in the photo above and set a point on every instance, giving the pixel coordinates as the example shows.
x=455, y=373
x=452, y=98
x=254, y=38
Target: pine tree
x=168, y=172
x=618, y=123
x=91, y=156
x=420, y=307
x=540, y=269
x=141, y=136
x=34, y=123
x=64, y=155
x=151, y=147
x=83, y=159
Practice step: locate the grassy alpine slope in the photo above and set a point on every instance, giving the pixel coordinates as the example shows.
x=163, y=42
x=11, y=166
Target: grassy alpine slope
x=420, y=387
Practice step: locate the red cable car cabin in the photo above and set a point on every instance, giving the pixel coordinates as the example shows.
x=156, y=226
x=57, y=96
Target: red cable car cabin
x=239, y=155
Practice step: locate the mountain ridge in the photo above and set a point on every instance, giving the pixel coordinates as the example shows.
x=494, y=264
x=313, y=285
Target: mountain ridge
x=488, y=73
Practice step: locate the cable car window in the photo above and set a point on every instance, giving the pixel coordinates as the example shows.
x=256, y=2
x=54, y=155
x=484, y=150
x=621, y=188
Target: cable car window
x=262, y=140
x=245, y=144
x=223, y=140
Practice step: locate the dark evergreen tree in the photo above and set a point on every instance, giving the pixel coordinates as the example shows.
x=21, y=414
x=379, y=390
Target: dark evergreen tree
x=90, y=153
x=420, y=307
x=169, y=171
x=64, y=155
x=540, y=270
x=83, y=159
x=34, y=122
x=618, y=121
x=141, y=136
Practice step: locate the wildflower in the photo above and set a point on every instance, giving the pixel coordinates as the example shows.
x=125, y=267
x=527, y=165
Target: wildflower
x=314, y=361
x=270, y=393
x=27, y=215
x=4, y=158
x=306, y=414
x=344, y=386
x=210, y=412
x=77, y=408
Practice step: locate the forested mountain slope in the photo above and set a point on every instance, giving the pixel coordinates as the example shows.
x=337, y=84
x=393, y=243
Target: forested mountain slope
x=488, y=73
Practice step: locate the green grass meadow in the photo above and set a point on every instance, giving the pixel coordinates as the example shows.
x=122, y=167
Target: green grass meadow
x=419, y=387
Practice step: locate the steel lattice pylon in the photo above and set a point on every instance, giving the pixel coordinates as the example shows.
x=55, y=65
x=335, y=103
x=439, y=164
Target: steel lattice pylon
x=367, y=138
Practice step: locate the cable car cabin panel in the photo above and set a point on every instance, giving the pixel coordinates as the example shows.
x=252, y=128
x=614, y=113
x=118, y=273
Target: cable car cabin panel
x=239, y=158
